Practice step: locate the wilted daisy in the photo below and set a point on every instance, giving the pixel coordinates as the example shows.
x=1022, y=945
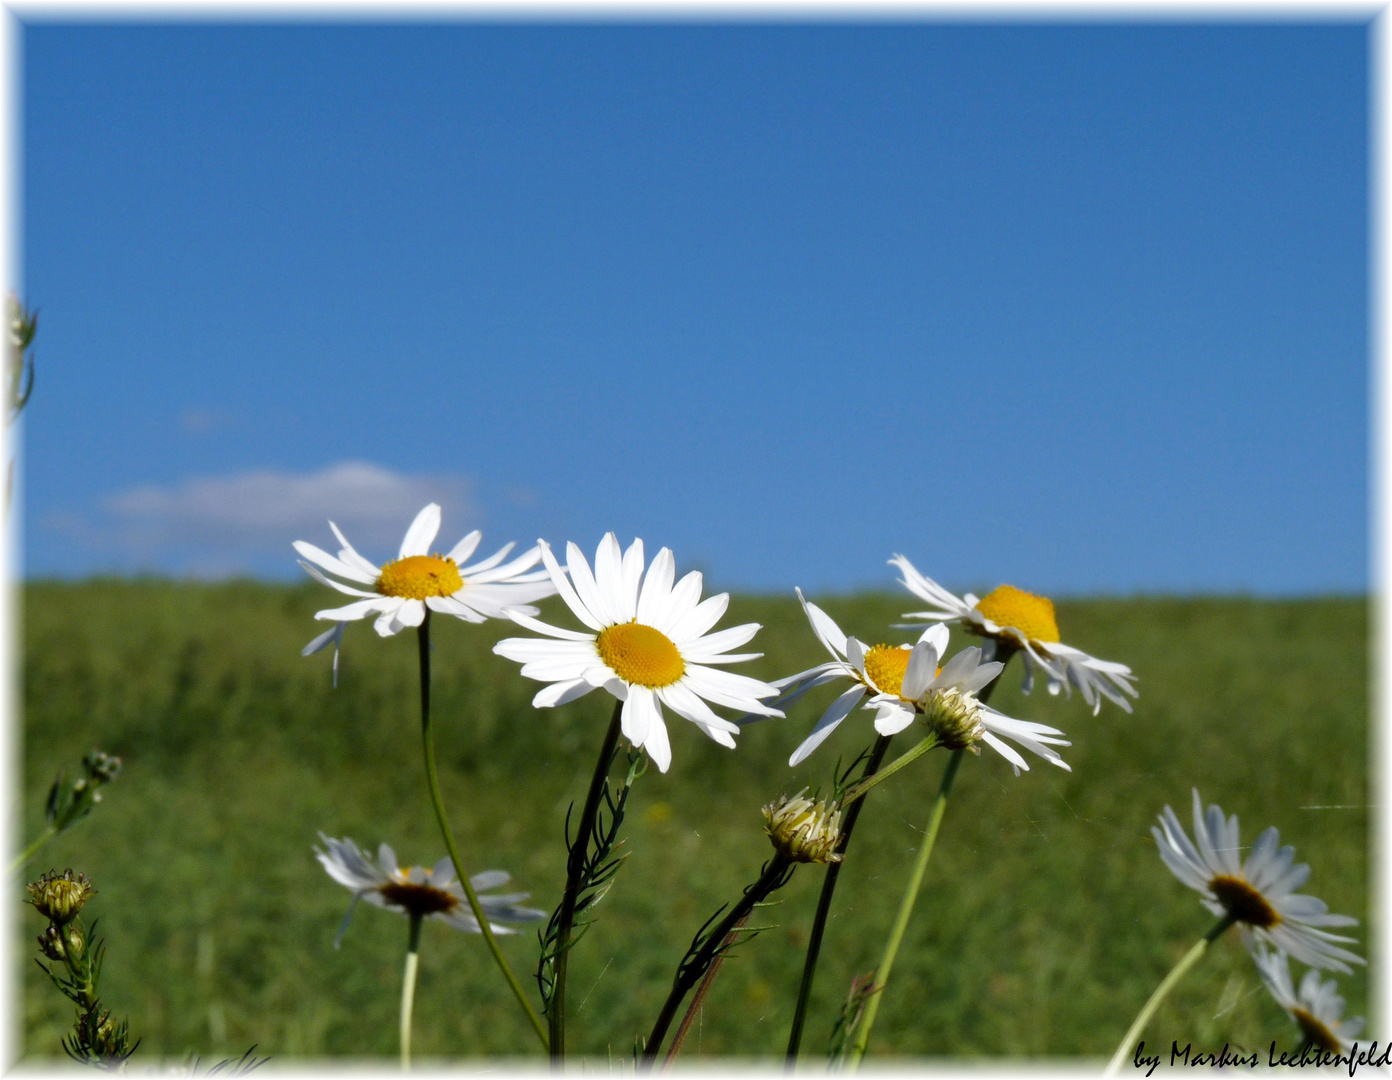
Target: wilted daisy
x=1260, y=893
x=1317, y=1009
x=803, y=830
x=404, y=588
x=433, y=893
x=904, y=682
x=1027, y=622
x=649, y=646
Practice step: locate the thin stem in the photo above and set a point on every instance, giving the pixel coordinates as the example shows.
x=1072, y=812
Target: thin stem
x=819, y=921
x=433, y=782
x=864, y=787
x=776, y=872
x=408, y=992
x=575, y=873
x=698, y=999
x=33, y=849
x=1167, y=984
x=901, y=921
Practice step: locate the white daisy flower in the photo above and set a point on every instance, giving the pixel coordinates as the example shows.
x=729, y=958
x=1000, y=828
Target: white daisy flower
x=403, y=589
x=903, y=682
x=1027, y=622
x=649, y=646
x=1260, y=893
x=1317, y=1009
x=433, y=893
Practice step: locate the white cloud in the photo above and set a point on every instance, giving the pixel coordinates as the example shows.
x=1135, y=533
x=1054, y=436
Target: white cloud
x=223, y=516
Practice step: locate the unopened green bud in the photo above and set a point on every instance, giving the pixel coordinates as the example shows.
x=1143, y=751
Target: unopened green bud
x=51, y=943
x=802, y=830
x=59, y=897
x=102, y=767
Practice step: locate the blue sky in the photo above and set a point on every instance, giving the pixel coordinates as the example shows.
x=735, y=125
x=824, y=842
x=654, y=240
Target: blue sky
x=1081, y=308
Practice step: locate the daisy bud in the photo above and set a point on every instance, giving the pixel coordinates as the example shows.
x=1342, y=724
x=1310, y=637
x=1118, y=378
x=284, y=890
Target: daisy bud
x=804, y=831
x=102, y=768
x=59, y=897
x=954, y=717
x=51, y=943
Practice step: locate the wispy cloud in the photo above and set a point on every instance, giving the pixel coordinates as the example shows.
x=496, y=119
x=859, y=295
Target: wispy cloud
x=218, y=520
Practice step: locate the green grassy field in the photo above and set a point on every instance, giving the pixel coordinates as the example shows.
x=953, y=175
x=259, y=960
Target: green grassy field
x=1046, y=920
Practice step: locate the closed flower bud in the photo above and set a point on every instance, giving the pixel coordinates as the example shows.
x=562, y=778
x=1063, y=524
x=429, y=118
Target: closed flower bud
x=51, y=943
x=802, y=830
x=954, y=717
x=59, y=897
x=101, y=767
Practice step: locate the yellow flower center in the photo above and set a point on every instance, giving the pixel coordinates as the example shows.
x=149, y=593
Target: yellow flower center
x=419, y=576
x=1032, y=615
x=885, y=666
x=640, y=654
x=1316, y=1032
x=1243, y=901
x=418, y=899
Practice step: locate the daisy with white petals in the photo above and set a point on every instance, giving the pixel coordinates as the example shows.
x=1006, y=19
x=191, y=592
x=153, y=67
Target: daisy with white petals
x=1318, y=1009
x=904, y=683
x=418, y=891
x=399, y=593
x=419, y=894
x=647, y=643
x=1027, y=622
x=1259, y=893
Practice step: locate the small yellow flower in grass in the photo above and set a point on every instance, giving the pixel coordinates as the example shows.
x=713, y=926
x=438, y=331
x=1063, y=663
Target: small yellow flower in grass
x=399, y=593
x=1318, y=1009
x=1258, y=893
x=1026, y=622
x=904, y=683
x=419, y=891
x=802, y=830
x=59, y=897
x=650, y=646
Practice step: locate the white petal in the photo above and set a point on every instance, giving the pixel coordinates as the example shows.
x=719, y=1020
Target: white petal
x=461, y=551
x=585, y=585
x=421, y=533
x=831, y=719
x=566, y=589
x=657, y=587
x=560, y=693
x=632, y=579
x=824, y=626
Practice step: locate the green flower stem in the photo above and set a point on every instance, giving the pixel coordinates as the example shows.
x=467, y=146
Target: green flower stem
x=833, y=871
x=906, y=906
x=698, y=999
x=776, y=873
x=575, y=872
x=408, y=992
x=33, y=849
x=863, y=788
x=1189, y=960
x=433, y=781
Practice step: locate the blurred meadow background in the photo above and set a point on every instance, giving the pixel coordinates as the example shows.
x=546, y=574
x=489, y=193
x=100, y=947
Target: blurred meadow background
x=1081, y=308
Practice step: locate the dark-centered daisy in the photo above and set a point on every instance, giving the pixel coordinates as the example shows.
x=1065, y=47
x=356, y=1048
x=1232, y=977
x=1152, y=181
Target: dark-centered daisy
x=403, y=588
x=1259, y=893
x=1317, y=1010
x=1027, y=622
x=433, y=893
x=648, y=645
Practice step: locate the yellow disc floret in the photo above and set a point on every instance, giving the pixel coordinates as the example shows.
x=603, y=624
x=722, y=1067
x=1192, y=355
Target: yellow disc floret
x=417, y=577
x=1032, y=615
x=640, y=654
x=885, y=666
